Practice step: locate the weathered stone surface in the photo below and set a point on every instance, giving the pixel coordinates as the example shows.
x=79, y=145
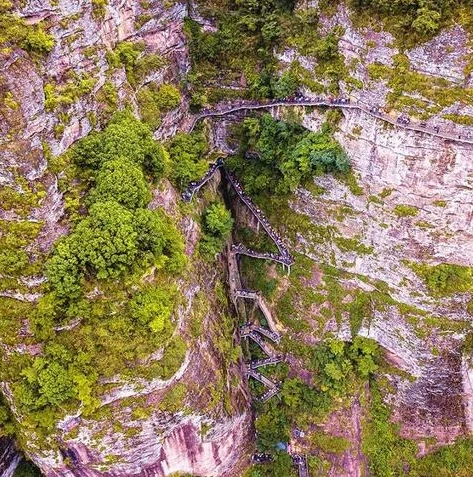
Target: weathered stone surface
x=9, y=457
x=211, y=440
x=436, y=400
x=418, y=170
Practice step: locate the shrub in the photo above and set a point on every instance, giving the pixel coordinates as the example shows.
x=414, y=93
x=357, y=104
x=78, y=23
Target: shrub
x=167, y=97
x=39, y=41
x=153, y=101
x=388, y=453
x=14, y=31
x=148, y=107
x=153, y=308
x=406, y=210
x=126, y=54
x=455, y=460
x=217, y=223
x=217, y=220
x=108, y=94
x=147, y=64
x=446, y=278
x=288, y=155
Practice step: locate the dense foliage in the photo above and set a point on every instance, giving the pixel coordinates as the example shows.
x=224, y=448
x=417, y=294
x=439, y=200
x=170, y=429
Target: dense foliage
x=118, y=233
x=446, y=278
x=15, y=32
x=286, y=155
x=417, y=19
x=154, y=101
x=338, y=366
x=99, y=318
x=217, y=225
x=123, y=137
x=388, y=453
x=187, y=151
x=123, y=181
x=248, y=30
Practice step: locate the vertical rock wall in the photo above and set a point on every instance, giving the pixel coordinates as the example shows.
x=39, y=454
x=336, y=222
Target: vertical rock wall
x=9, y=457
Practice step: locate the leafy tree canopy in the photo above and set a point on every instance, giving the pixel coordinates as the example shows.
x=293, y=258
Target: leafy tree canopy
x=423, y=17
x=218, y=220
x=122, y=181
x=125, y=136
x=153, y=307
x=187, y=151
x=287, y=154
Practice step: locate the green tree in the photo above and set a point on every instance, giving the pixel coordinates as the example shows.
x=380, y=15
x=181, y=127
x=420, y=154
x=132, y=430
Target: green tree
x=123, y=181
x=125, y=136
x=288, y=154
x=104, y=243
x=218, y=220
x=149, y=110
x=55, y=384
x=127, y=53
x=187, y=151
x=106, y=240
x=217, y=224
x=272, y=427
x=168, y=97
x=427, y=21
x=64, y=270
x=150, y=226
x=319, y=153
x=286, y=85
x=154, y=101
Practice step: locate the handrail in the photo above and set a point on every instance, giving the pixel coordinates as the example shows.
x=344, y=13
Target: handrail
x=242, y=250
x=259, y=216
x=266, y=361
x=259, y=341
x=269, y=394
x=276, y=337
x=301, y=462
x=261, y=378
x=248, y=328
x=193, y=187
x=285, y=257
x=402, y=121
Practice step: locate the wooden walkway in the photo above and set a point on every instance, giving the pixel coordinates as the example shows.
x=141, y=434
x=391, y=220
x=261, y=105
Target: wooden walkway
x=242, y=250
x=300, y=461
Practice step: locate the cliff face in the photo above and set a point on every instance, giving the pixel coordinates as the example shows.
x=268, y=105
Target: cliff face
x=356, y=230
x=426, y=341
x=9, y=457
x=366, y=231
x=204, y=427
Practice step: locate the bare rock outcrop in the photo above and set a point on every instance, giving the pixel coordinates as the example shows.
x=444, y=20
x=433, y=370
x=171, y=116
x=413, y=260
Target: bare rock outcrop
x=9, y=457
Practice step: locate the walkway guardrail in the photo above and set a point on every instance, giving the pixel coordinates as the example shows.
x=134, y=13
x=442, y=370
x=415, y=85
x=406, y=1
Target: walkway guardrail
x=401, y=121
